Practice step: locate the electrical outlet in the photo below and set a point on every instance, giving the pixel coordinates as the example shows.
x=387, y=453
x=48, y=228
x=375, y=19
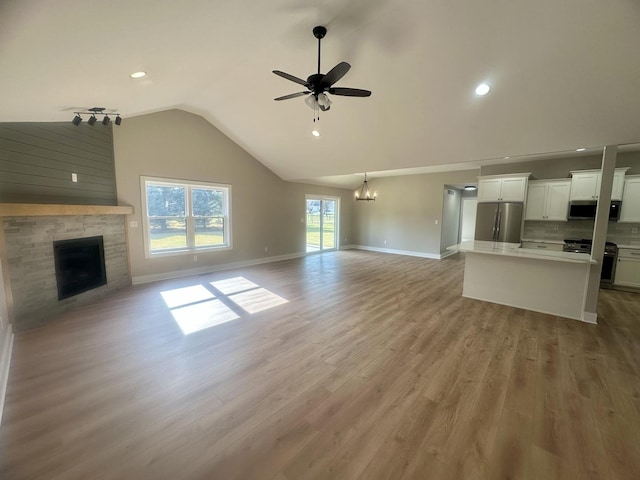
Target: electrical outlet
x=385, y=243
x=195, y=258
x=74, y=177
x=266, y=249
x=555, y=227
x=436, y=222
x=634, y=230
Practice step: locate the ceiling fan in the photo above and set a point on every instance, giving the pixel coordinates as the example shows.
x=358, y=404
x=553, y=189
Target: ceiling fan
x=318, y=85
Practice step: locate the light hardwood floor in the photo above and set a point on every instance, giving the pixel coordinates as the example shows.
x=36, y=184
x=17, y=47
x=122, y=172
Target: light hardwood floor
x=376, y=368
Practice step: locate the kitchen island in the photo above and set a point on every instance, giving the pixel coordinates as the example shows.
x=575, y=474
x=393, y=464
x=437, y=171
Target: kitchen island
x=543, y=281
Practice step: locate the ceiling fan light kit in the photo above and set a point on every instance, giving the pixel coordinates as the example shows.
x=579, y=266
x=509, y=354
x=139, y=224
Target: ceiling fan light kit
x=318, y=85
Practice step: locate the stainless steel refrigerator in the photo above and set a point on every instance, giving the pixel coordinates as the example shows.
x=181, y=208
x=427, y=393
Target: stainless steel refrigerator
x=499, y=222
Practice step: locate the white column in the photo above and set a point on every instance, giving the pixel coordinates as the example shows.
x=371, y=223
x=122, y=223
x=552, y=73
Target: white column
x=600, y=227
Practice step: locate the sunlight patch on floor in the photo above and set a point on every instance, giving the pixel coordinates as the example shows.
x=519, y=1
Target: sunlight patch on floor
x=233, y=285
x=178, y=297
x=196, y=308
x=257, y=300
x=199, y=316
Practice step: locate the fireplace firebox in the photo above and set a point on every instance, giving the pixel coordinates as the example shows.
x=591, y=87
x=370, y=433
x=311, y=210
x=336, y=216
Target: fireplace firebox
x=79, y=265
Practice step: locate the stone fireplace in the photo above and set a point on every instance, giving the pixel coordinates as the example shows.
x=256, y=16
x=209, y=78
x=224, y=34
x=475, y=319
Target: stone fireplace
x=28, y=257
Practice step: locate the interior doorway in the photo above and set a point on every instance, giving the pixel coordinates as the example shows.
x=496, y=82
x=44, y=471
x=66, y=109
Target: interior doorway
x=322, y=223
x=468, y=218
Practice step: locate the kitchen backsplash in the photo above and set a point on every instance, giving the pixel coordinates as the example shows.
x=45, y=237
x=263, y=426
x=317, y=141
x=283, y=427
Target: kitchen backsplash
x=619, y=233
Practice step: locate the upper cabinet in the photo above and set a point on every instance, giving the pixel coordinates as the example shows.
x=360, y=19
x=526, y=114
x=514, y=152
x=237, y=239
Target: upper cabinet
x=502, y=188
x=585, y=184
x=548, y=200
x=630, y=210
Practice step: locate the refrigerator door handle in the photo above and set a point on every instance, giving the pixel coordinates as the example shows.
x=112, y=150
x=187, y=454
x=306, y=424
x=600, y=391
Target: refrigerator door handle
x=499, y=217
x=495, y=225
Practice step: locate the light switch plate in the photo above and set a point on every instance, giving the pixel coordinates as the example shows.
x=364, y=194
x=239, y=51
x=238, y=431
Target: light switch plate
x=74, y=177
x=133, y=224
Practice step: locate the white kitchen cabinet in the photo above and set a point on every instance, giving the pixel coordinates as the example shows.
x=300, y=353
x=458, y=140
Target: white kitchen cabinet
x=630, y=210
x=617, y=190
x=585, y=184
x=628, y=268
x=548, y=200
x=499, y=188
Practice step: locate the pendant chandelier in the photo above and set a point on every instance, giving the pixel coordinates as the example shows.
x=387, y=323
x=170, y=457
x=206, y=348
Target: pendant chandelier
x=363, y=193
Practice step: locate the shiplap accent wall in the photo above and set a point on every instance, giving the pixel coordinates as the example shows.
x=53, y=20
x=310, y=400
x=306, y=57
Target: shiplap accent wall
x=37, y=160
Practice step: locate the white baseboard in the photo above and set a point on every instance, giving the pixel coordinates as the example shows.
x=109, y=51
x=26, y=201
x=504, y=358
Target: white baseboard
x=409, y=253
x=5, y=363
x=211, y=268
x=588, y=317
x=448, y=253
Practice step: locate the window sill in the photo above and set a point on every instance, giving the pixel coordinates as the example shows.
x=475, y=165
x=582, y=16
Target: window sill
x=191, y=251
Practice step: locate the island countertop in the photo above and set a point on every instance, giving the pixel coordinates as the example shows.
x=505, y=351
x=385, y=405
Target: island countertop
x=514, y=250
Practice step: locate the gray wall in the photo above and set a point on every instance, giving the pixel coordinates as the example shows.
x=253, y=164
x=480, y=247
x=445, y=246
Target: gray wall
x=407, y=213
x=266, y=211
x=37, y=159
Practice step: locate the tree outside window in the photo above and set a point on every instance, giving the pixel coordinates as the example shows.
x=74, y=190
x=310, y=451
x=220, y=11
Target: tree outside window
x=185, y=216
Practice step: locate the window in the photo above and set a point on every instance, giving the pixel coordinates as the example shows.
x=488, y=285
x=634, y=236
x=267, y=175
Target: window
x=183, y=217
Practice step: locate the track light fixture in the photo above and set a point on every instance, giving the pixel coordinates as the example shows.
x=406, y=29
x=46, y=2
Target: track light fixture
x=93, y=119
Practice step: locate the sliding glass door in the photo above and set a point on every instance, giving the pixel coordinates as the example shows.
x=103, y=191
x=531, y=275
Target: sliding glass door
x=322, y=223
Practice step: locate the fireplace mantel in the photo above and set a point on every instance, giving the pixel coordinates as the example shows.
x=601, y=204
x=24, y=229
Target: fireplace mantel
x=46, y=210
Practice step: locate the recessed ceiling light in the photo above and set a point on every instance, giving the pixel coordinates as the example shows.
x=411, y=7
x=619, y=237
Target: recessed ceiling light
x=315, y=133
x=138, y=74
x=580, y=149
x=482, y=89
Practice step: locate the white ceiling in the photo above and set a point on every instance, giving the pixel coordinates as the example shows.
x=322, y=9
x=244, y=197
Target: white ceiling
x=564, y=74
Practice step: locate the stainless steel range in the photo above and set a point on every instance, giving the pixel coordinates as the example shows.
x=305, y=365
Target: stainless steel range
x=583, y=245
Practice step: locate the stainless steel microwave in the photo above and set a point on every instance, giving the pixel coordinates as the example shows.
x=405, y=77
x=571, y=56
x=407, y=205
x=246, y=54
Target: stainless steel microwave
x=583, y=210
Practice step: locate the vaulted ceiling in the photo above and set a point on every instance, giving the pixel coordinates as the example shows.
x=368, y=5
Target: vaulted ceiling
x=563, y=74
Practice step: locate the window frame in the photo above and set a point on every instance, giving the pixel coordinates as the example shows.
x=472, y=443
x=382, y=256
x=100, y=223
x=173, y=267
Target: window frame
x=188, y=185
x=337, y=217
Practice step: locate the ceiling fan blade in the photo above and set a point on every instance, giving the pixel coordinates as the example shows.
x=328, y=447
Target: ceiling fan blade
x=292, y=95
x=336, y=73
x=290, y=77
x=350, y=92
